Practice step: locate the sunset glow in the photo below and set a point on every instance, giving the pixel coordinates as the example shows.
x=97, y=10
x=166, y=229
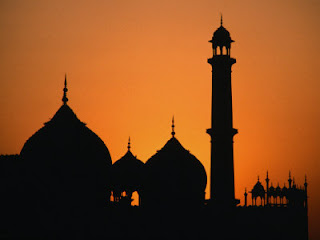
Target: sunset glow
x=132, y=65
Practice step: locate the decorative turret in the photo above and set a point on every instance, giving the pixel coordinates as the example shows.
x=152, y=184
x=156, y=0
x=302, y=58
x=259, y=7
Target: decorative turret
x=258, y=191
x=221, y=41
x=290, y=180
x=245, y=197
x=267, y=190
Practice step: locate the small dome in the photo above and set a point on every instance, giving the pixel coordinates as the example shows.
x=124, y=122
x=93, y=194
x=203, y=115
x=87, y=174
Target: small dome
x=127, y=173
x=173, y=174
x=258, y=189
x=221, y=37
x=272, y=191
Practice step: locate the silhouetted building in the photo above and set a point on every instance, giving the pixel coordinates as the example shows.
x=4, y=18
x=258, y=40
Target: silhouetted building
x=60, y=185
x=174, y=177
x=65, y=177
x=293, y=196
x=127, y=178
x=222, y=131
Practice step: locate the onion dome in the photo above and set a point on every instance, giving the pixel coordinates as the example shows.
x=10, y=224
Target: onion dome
x=284, y=191
x=258, y=190
x=127, y=174
x=66, y=171
x=221, y=37
x=278, y=190
x=174, y=176
x=272, y=191
x=66, y=163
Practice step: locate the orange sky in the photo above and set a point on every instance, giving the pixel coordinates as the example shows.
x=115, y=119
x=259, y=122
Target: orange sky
x=131, y=65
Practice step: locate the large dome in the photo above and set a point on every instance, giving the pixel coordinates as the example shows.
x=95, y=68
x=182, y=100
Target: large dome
x=174, y=176
x=65, y=152
x=66, y=172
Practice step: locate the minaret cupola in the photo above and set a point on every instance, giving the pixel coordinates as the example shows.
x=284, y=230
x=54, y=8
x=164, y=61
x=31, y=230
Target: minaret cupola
x=221, y=41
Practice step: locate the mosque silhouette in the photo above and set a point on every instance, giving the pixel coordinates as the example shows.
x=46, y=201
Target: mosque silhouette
x=63, y=183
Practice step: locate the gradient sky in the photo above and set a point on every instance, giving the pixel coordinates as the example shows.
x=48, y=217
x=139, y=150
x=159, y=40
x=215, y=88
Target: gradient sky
x=132, y=65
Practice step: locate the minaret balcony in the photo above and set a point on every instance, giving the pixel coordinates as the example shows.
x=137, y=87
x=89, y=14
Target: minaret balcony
x=222, y=134
x=218, y=59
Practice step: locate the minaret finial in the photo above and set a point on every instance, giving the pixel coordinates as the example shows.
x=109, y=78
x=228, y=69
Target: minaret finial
x=129, y=144
x=305, y=178
x=173, y=132
x=65, y=90
x=267, y=178
x=221, y=19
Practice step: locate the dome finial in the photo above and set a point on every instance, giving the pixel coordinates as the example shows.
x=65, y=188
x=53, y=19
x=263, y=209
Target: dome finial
x=129, y=144
x=305, y=181
x=65, y=90
x=173, y=132
x=221, y=20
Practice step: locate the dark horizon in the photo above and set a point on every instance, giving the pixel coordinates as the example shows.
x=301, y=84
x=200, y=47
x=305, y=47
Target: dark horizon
x=155, y=68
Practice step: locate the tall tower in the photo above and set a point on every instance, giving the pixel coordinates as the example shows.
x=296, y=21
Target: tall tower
x=222, y=131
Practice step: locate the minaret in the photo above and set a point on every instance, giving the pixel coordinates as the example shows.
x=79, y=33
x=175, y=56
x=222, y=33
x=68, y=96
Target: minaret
x=222, y=131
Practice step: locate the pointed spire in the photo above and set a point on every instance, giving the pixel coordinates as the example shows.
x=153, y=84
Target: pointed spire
x=290, y=180
x=221, y=19
x=258, y=178
x=129, y=144
x=267, y=179
x=305, y=180
x=65, y=90
x=173, y=132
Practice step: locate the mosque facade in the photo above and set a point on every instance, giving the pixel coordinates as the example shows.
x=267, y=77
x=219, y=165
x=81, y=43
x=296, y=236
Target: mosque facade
x=63, y=183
